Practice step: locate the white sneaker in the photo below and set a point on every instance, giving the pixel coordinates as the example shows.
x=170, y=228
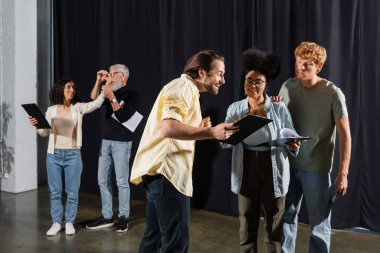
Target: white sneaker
x=69, y=228
x=55, y=228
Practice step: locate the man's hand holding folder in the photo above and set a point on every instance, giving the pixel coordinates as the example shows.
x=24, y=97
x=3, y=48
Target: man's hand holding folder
x=247, y=126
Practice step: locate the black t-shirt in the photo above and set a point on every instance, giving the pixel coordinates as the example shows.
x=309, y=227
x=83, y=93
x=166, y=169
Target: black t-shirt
x=112, y=129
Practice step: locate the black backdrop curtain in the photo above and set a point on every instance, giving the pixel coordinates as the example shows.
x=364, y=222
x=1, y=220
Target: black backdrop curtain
x=154, y=39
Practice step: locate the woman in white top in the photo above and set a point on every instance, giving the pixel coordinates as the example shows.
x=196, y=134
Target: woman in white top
x=63, y=154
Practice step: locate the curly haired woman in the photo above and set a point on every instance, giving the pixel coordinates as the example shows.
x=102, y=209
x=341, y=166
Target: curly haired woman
x=260, y=174
x=63, y=154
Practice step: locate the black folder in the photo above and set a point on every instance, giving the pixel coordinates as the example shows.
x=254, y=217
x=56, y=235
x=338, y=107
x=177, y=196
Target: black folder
x=247, y=126
x=35, y=112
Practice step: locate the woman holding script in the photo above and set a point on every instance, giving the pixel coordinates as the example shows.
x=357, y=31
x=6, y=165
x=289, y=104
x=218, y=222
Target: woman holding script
x=260, y=173
x=63, y=154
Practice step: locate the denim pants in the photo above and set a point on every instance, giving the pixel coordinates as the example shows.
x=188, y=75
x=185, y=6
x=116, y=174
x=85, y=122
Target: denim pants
x=70, y=162
x=316, y=189
x=114, y=154
x=167, y=221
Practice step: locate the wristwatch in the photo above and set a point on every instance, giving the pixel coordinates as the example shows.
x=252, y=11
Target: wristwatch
x=113, y=101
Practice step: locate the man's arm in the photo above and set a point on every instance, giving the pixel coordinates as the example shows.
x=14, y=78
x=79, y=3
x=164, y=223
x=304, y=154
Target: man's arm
x=172, y=128
x=98, y=83
x=341, y=182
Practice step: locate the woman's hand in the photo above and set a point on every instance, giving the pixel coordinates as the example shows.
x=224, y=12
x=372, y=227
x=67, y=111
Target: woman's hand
x=294, y=145
x=32, y=121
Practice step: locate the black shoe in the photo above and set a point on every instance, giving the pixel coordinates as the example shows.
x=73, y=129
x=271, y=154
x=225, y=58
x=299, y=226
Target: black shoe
x=100, y=223
x=122, y=226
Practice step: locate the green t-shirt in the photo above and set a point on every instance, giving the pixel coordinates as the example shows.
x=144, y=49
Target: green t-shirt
x=314, y=112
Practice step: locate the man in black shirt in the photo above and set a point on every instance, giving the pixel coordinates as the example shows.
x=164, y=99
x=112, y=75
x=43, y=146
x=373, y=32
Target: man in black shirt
x=116, y=144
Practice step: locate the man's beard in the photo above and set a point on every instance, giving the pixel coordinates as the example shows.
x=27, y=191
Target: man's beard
x=210, y=88
x=115, y=86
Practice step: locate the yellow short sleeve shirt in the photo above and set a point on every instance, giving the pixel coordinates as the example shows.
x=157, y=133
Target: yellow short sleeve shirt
x=172, y=158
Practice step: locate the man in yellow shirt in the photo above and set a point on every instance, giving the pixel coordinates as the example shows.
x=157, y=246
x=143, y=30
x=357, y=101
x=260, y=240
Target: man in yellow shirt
x=164, y=159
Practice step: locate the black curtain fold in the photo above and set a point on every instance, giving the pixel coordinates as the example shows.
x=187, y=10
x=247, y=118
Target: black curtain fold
x=155, y=38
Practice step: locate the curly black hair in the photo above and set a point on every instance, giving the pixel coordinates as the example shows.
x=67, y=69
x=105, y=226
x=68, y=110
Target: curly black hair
x=266, y=63
x=56, y=93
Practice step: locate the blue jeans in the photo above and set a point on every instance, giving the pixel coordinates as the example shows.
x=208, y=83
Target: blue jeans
x=70, y=162
x=316, y=188
x=114, y=154
x=167, y=221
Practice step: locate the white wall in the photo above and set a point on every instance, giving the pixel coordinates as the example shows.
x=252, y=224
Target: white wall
x=18, y=85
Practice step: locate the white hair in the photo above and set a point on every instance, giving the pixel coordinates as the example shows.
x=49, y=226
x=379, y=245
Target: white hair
x=121, y=68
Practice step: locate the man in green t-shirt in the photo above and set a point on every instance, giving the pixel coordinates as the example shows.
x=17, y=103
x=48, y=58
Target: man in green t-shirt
x=318, y=109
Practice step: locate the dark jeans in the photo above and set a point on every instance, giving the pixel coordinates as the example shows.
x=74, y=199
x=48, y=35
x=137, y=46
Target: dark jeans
x=256, y=190
x=167, y=221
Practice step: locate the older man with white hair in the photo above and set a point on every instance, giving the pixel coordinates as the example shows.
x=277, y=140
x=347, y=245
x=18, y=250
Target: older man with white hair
x=116, y=145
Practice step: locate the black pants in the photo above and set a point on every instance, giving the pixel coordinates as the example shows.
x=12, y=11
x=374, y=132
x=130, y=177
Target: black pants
x=167, y=221
x=256, y=189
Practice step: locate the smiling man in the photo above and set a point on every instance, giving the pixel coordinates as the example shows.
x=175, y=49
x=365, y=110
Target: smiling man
x=318, y=109
x=164, y=159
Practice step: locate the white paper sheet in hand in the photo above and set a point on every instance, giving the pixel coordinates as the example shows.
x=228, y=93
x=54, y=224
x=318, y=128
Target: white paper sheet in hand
x=133, y=122
x=287, y=133
x=286, y=136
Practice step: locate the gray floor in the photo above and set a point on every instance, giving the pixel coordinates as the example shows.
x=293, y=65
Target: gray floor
x=24, y=220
